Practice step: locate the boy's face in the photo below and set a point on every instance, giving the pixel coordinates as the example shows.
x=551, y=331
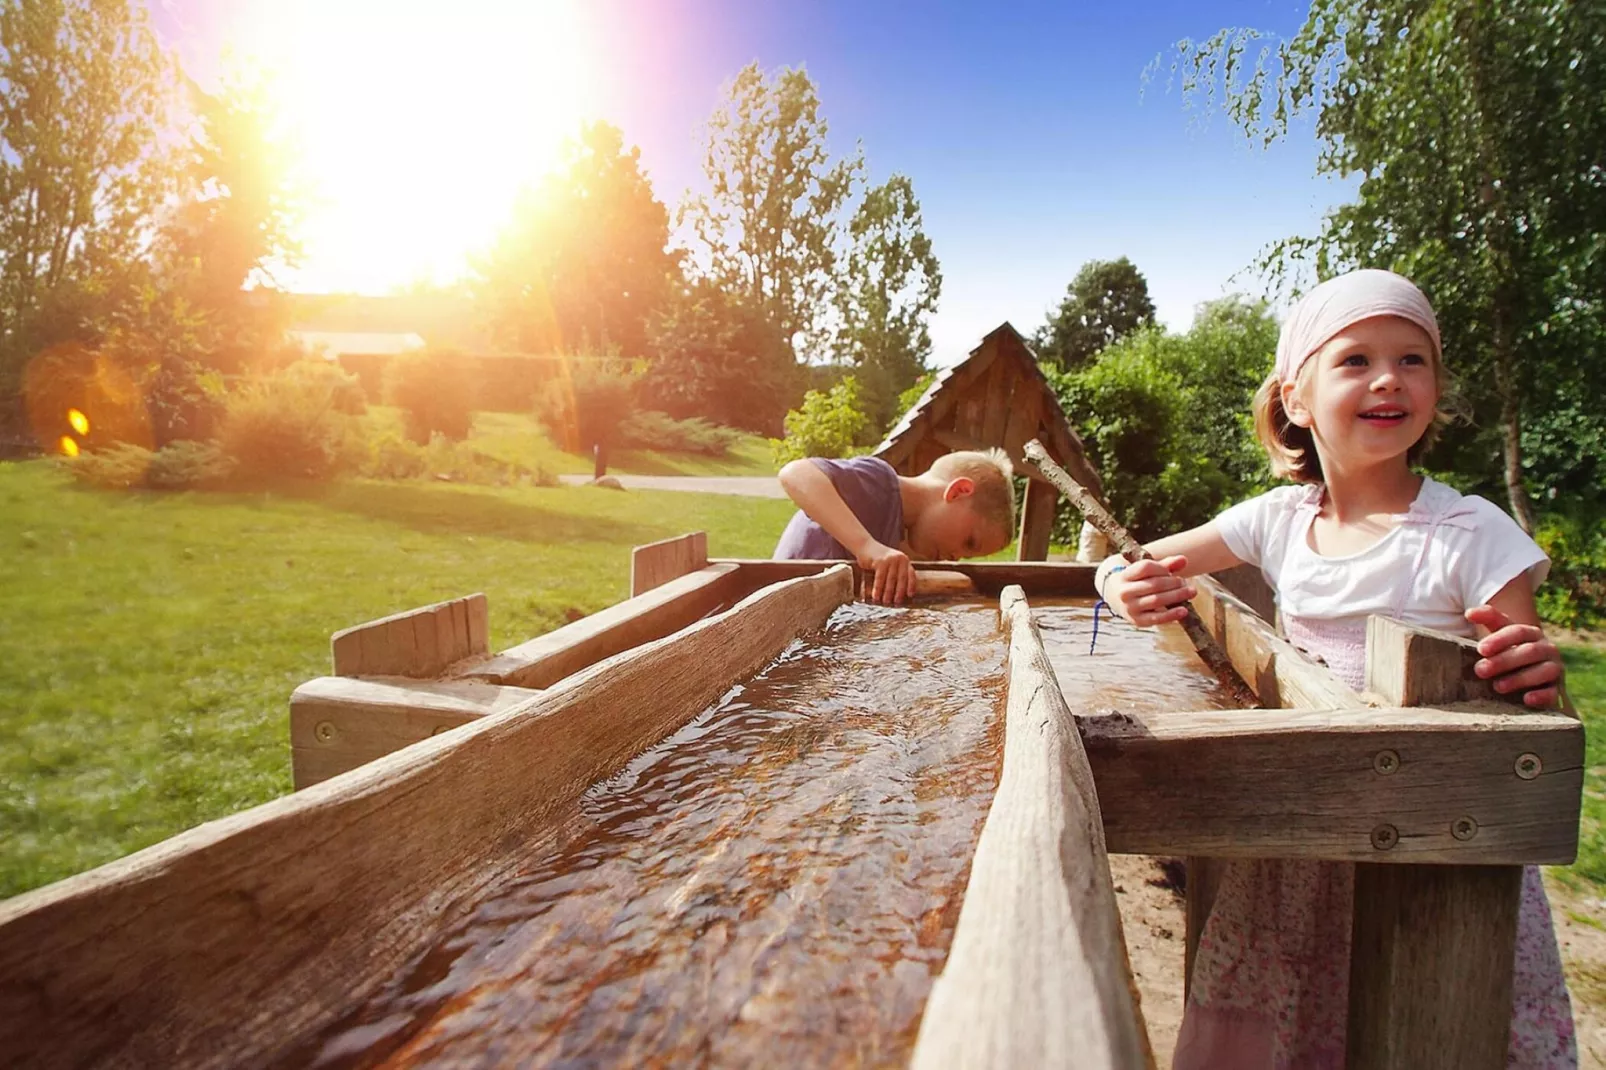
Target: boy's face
x=950, y=529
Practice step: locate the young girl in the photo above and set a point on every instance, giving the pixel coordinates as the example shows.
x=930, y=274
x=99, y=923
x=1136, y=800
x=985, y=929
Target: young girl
x=1351, y=403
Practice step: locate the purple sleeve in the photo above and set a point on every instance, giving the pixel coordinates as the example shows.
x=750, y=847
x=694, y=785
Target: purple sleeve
x=869, y=486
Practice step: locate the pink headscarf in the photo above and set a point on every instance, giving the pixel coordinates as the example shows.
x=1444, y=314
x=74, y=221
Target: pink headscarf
x=1345, y=300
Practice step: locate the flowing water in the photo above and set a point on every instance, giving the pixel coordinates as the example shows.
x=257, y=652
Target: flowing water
x=777, y=883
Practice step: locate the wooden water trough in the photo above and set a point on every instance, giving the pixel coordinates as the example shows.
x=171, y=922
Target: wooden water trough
x=428, y=764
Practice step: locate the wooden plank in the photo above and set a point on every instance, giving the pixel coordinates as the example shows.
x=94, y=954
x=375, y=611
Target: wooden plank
x=1037, y=520
x=1201, y=885
x=230, y=944
x=1433, y=948
x=415, y=643
x=659, y=562
x=337, y=723
x=1409, y=666
x=1247, y=584
x=1068, y=579
x=1001, y=388
x=1037, y=975
x=1025, y=414
x=544, y=660
x=1321, y=783
x=1279, y=674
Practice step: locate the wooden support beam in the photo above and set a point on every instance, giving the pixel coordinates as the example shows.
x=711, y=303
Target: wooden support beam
x=1060, y=579
x=546, y=659
x=1279, y=674
x=659, y=562
x=1365, y=785
x=1037, y=975
x=1037, y=520
x=1433, y=947
x=337, y=723
x=419, y=643
x=231, y=944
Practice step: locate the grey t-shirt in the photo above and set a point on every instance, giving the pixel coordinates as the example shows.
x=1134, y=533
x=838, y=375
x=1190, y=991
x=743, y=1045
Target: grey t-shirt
x=869, y=486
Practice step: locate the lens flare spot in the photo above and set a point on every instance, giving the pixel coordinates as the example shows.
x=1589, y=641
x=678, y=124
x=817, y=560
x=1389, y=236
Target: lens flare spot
x=69, y=446
x=79, y=421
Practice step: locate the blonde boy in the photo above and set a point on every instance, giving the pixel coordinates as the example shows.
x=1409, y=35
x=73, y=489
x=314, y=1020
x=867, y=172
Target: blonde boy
x=861, y=509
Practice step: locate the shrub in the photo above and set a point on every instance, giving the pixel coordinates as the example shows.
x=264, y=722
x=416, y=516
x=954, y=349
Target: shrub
x=177, y=466
x=662, y=432
x=587, y=406
x=827, y=425
x=345, y=389
x=287, y=425
x=434, y=393
x=392, y=457
x=1575, y=594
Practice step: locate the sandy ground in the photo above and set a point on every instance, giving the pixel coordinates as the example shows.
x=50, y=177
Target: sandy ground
x=1152, y=916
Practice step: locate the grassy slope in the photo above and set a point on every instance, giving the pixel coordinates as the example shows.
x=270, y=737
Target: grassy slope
x=149, y=643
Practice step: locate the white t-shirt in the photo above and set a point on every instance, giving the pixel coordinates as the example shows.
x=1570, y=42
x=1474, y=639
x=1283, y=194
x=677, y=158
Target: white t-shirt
x=1448, y=553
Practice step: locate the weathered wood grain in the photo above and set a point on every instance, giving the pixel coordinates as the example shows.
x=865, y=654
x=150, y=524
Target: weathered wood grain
x=1319, y=784
x=1279, y=674
x=337, y=723
x=1410, y=666
x=226, y=945
x=546, y=659
x=421, y=642
x=1037, y=520
x=1037, y=975
x=1068, y=579
x=656, y=563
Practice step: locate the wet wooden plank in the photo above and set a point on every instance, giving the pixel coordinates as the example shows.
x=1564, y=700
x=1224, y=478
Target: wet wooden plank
x=1068, y=579
x=1038, y=973
x=225, y=945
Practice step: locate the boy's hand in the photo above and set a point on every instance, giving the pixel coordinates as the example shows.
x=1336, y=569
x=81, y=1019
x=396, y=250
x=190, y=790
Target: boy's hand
x=1517, y=657
x=894, y=581
x=1149, y=592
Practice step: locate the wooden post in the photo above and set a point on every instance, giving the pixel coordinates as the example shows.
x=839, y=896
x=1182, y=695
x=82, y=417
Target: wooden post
x=1433, y=947
x=659, y=562
x=1036, y=520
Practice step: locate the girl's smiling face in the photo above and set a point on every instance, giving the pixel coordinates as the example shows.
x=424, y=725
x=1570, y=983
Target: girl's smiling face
x=1369, y=393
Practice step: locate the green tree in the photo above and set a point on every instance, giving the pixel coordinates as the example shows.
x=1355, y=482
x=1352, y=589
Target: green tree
x=1108, y=300
x=1476, y=128
x=827, y=425
x=887, y=294
x=769, y=222
x=86, y=95
x=585, y=261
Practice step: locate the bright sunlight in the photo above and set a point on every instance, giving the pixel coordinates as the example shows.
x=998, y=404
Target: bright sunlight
x=416, y=123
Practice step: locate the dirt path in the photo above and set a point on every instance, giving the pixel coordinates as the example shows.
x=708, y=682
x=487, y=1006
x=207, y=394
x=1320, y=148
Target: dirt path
x=1152, y=917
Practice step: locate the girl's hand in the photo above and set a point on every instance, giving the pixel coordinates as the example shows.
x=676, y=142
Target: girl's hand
x=1517, y=657
x=1149, y=592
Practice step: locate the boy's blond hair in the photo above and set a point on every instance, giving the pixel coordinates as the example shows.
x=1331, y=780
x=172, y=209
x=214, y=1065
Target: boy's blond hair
x=992, y=474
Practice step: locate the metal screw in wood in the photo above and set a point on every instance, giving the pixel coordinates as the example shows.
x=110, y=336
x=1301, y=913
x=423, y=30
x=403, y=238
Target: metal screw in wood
x=325, y=732
x=1529, y=766
x=1386, y=762
x=1463, y=828
x=1384, y=837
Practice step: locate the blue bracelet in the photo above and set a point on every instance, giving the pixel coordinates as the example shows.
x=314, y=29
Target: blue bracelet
x=1107, y=575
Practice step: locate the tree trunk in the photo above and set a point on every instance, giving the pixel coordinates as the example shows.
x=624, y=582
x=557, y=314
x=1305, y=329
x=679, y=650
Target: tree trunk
x=1510, y=418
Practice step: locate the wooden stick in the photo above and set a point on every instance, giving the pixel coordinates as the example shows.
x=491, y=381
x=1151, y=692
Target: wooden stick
x=1132, y=550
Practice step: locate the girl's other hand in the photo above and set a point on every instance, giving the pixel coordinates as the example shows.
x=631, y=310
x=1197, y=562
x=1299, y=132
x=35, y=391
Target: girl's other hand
x=1517, y=657
x=1149, y=592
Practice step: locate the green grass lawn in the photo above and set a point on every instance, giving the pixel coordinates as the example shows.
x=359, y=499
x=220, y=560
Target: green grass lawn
x=1586, y=683
x=516, y=437
x=149, y=642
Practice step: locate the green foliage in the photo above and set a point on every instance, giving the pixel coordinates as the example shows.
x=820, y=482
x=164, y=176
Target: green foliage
x=585, y=407
x=889, y=291
x=177, y=466
x=1108, y=300
x=1574, y=596
x=912, y=395
x=769, y=222
x=434, y=395
x=657, y=431
x=828, y=424
x=717, y=356
x=585, y=262
x=288, y=426
x=318, y=375
x=1475, y=127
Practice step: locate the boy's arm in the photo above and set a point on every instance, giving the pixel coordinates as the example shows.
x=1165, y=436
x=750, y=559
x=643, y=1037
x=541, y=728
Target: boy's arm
x=814, y=493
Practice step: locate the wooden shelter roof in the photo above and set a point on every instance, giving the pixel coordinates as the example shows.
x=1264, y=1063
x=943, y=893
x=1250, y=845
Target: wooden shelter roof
x=997, y=396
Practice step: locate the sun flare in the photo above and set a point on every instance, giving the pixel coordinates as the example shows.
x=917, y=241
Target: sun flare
x=417, y=124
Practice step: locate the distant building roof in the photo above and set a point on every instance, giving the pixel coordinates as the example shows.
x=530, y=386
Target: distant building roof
x=335, y=344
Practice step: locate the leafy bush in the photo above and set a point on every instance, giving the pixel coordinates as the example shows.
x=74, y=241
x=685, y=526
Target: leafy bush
x=434, y=394
x=345, y=389
x=392, y=457
x=288, y=424
x=587, y=406
x=662, y=432
x=389, y=456
x=827, y=425
x=177, y=466
x=1575, y=594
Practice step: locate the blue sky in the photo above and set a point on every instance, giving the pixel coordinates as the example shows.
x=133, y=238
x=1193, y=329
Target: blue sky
x=1031, y=140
